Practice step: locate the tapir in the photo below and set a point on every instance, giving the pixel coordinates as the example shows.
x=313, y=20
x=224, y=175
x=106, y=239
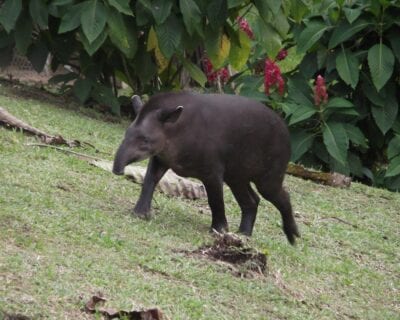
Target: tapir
x=215, y=138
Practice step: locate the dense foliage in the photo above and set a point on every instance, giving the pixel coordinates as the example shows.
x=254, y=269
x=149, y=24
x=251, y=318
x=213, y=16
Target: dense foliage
x=340, y=101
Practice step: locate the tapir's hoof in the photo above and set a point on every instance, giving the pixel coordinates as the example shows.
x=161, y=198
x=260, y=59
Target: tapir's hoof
x=146, y=215
x=291, y=232
x=219, y=228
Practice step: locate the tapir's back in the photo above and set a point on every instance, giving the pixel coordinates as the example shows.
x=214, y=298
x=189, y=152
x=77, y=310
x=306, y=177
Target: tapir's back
x=243, y=133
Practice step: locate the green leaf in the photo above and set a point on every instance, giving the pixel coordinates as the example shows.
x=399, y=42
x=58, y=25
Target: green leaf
x=191, y=15
x=393, y=168
x=92, y=47
x=385, y=116
x=336, y=141
x=9, y=13
x=72, y=18
x=169, y=35
x=39, y=12
x=239, y=53
x=122, y=33
x=161, y=9
x=299, y=91
x=145, y=66
x=82, y=89
x=268, y=38
x=217, y=46
x=301, y=113
x=195, y=72
x=348, y=67
x=310, y=35
x=381, y=63
x=23, y=33
x=37, y=55
x=394, y=147
x=263, y=9
x=395, y=43
x=217, y=13
x=352, y=14
x=338, y=102
x=274, y=5
x=122, y=6
x=355, y=135
x=93, y=19
x=280, y=23
x=105, y=96
x=298, y=9
x=301, y=142
x=345, y=31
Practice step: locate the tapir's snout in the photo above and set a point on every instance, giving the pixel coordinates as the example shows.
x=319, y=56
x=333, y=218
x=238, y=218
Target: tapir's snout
x=119, y=162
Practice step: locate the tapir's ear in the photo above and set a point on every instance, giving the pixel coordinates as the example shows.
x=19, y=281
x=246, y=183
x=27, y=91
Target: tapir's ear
x=170, y=115
x=136, y=104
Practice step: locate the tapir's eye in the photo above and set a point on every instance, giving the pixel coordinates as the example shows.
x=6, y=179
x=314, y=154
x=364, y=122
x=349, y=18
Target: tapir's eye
x=143, y=141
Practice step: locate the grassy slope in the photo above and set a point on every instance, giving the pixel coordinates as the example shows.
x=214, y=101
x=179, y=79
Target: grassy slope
x=66, y=232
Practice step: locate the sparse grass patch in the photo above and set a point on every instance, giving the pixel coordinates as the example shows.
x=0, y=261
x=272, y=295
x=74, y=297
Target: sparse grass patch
x=66, y=232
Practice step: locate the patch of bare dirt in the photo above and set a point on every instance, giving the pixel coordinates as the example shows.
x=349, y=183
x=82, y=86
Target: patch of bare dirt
x=236, y=254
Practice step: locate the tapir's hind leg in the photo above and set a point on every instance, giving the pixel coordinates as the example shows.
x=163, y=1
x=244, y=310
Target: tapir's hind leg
x=274, y=193
x=248, y=201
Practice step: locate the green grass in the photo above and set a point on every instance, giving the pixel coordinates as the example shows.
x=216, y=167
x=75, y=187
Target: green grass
x=66, y=233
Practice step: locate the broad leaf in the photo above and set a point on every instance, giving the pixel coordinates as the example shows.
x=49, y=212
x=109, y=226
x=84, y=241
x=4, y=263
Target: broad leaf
x=169, y=36
x=195, y=72
x=239, y=53
x=161, y=9
x=336, y=141
x=82, y=89
x=280, y=23
x=347, y=67
x=191, y=15
x=299, y=91
x=105, y=96
x=93, y=19
x=122, y=6
x=217, y=13
x=393, y=168
x=338, y=102
x=381, y=63
x=268, y=38
x=92, y=47
x=298, y=9
x=72, y=18
x=301, y=113
x=394, y=147
x=352, y=14
x=145, y=67
x=274, y=5
x=152, y=44
x=122, y=33
x=9, y=13
x=301, y=142
x=345, y=31
x=385, y=116
x=355, y=135
x=263, y=9
x=37, y=55
x=23, y=33
x=39, y=12
x=395, y=43
x=310, y=35
x=218, y=46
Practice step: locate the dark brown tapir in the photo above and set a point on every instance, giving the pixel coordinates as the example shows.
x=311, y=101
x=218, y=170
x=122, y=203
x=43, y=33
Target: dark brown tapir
x=215, y=138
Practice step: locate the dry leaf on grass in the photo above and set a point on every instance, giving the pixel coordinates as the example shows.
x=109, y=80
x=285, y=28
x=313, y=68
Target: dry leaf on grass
x=96, y=304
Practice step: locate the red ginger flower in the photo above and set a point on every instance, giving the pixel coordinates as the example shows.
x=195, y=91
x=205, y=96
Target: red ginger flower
x=320, y=93
x=282, y=55
x=272, y=76
x=244, y=26
x=212, y=75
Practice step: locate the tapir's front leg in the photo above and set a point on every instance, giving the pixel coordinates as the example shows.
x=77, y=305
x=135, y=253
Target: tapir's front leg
x=155, y=171
x=215, y=194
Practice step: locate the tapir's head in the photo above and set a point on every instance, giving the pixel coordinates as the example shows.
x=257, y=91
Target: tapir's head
x=146, y=136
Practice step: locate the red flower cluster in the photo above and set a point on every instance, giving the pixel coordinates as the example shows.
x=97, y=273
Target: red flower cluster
x=320, y=94
x=282, y=55
x=244, y=26
x=273, y=76
x=212, y=75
